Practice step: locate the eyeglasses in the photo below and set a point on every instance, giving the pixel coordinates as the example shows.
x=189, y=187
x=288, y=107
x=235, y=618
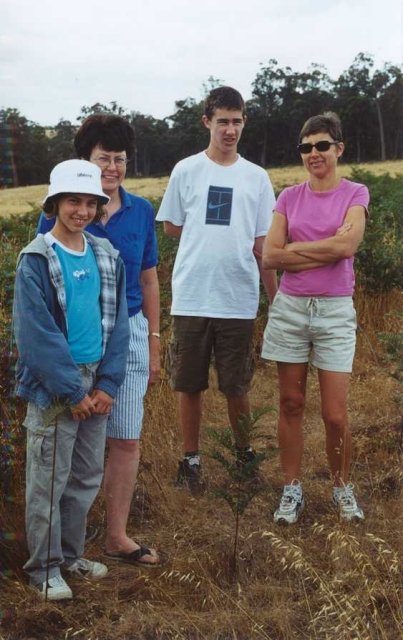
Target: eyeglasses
x=322, y=145
x=105, y=161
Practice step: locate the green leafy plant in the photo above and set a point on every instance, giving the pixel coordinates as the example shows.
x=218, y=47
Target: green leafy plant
x=379, y=259
x=244, y=481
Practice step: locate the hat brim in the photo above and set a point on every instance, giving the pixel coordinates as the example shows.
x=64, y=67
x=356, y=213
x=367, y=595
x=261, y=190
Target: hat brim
x=104, y=199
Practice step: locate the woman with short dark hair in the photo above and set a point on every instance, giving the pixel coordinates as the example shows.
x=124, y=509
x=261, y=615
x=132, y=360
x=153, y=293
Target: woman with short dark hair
x=316, y=230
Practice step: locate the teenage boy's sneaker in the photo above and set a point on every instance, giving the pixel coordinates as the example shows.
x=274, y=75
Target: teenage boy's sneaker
x=344, y=499
x=58, y=589
x=291, y=504
x=189, y=475
x=87, y=569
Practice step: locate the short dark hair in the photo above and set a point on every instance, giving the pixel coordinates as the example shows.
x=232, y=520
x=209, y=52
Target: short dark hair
x=223, y=98
x=51, y=207
x=328, y=122
x=112, y=133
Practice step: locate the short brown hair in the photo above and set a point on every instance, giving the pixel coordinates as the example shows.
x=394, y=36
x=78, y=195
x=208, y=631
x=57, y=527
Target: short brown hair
x=328, y=122
x=223, y=98
x=112, y=133
x=51, y=207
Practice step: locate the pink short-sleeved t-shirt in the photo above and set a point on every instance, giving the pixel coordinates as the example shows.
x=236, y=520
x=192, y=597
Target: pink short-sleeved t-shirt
x=314, y=215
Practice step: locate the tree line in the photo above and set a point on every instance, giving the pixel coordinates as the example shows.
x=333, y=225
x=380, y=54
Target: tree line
x=369, y=102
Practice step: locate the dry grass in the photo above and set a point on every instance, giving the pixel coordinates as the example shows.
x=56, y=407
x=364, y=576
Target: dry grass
x=20, y=200
x=319, y=580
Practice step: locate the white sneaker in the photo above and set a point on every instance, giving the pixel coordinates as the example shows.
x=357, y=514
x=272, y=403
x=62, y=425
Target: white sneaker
x=291, y=505
x=58, y=589
x=87, y=569
x=344, y=499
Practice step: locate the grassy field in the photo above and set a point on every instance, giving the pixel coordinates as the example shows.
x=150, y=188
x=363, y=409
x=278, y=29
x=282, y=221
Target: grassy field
x=321, y=579
x=22, y=199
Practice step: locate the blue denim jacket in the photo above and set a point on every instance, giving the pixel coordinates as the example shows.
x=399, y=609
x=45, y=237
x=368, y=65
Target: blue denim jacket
x=46, y=371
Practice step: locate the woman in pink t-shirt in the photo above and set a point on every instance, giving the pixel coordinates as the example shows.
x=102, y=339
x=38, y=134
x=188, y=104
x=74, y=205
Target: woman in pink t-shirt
x=316, y=230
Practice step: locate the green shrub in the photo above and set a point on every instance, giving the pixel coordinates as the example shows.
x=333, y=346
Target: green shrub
x=378, y=262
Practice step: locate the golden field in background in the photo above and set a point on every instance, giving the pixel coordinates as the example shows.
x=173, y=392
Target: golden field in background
x=21, y=199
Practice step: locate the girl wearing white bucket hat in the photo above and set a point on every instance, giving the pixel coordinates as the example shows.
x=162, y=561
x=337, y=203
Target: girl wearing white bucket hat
x=72, y=334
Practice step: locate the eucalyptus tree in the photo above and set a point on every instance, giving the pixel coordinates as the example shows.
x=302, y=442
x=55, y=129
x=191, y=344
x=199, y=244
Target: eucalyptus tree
x=282, y=101
x=152, y=153
x=61, y=142
x=113, y=108
x=187, y=133
x=361, y=90
x=389, y=82
x=23, y=150
x=266, y=103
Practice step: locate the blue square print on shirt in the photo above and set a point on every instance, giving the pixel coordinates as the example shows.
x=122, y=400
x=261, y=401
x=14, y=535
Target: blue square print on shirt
x=219, y=205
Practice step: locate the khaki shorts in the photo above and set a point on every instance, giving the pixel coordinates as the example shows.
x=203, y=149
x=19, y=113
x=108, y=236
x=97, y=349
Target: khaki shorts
x=317, y=330
x=195, y=339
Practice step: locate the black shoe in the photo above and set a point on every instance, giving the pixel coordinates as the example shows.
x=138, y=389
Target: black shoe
x=190, y=476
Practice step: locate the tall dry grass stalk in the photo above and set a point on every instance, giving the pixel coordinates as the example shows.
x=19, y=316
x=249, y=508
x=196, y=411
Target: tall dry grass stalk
x=344, y=597
x=375, y=312
x=378, y=313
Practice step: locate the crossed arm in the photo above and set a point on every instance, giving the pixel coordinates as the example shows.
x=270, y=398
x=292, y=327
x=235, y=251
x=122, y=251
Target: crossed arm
x=301, y=256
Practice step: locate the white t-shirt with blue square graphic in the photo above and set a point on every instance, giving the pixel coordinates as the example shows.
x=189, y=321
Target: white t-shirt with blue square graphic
x=222, y=210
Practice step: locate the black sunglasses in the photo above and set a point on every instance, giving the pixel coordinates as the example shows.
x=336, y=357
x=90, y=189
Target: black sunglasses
x=322, y=145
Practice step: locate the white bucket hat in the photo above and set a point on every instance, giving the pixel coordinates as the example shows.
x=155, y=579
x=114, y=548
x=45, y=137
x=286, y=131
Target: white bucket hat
x=76, y=176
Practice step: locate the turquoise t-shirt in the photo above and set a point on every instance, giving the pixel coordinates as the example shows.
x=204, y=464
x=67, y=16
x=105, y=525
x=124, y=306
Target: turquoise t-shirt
x=83, y=289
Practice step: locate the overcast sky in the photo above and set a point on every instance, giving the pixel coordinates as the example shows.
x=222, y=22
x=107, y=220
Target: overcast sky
x=56, y=57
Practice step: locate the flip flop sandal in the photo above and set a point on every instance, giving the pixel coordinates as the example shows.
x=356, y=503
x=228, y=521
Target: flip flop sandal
x=134, y=557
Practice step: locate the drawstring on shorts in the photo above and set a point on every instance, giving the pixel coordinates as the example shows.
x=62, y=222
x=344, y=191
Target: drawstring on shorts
x=313, y=308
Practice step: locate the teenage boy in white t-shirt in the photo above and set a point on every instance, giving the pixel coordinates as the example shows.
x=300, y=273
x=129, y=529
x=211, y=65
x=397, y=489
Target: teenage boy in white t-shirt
x=220, y=207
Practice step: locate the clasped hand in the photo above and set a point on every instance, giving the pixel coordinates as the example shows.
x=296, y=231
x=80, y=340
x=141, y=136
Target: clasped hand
x=98, y=403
